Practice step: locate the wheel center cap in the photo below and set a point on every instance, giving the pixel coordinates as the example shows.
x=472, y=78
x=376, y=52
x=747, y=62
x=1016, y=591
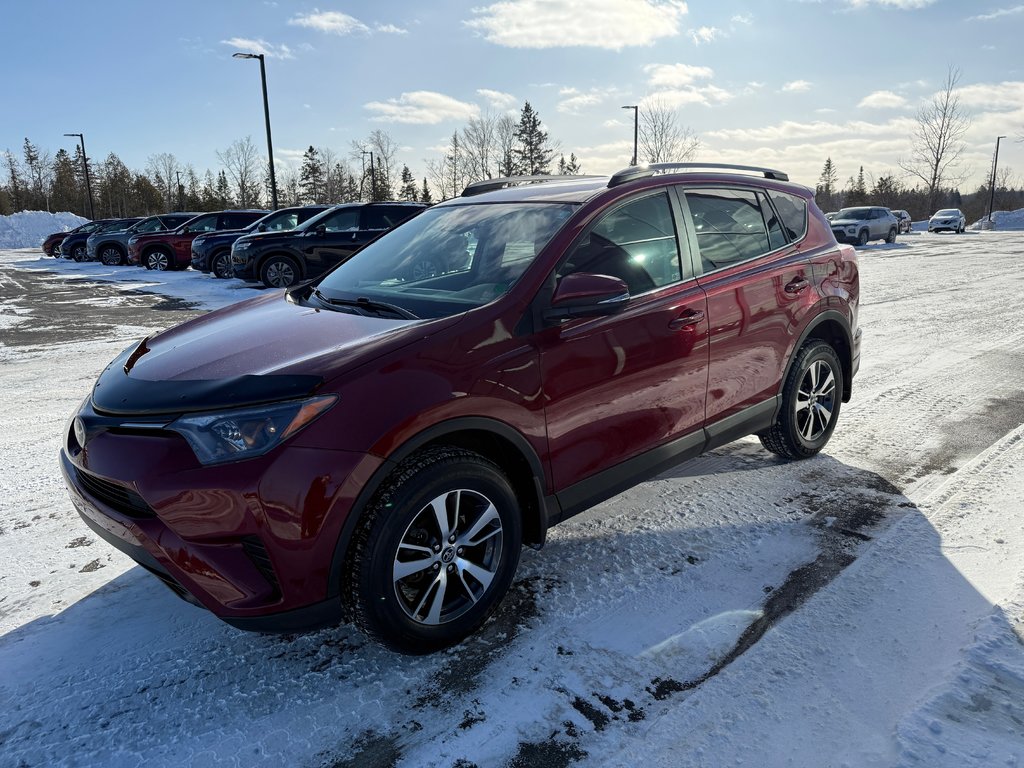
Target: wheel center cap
x=448, y=555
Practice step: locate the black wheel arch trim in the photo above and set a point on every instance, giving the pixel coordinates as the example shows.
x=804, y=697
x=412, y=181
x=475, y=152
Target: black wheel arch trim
x=848, y=363
x=546, y=511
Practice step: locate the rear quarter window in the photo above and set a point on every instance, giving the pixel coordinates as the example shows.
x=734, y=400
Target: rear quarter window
x=793, y=212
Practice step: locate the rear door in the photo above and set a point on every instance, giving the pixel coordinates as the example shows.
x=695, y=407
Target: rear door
x=335, y=244
x=759, y=286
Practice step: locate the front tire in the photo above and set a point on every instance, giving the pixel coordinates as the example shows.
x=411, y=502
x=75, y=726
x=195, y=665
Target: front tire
x=862, y=237
x=111, y=256
x=811, y=399
x=279, y=272
x=891, y=237
x=220, y=265
x=159, y=259
x=78, y=253
x=435, y=551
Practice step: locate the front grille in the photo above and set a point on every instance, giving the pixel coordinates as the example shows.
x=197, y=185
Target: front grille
x=257, y=552
x=118, y=497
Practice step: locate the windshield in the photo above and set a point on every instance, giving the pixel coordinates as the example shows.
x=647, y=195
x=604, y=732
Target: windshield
x=948, y=212
x=449, y=260
x=858, y=214
x=115, y=226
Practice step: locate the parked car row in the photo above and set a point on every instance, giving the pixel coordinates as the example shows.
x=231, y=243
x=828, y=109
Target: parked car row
x=278, y=248
x=861, y=224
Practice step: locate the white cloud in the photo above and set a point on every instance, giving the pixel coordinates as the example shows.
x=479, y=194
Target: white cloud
x=745, y=19
x=498, y=99
x=271, y=51
x=904, y=5
x=332, y=22
x=578, y=100
x=998, y=13
x=673, y=98
x=882, y=100
x=391, y=29
x=675, y=75
x=993, y=96
x=422, y=108
x=705, y=34
x=796, y=86
x=791, y=130
x=610, y=24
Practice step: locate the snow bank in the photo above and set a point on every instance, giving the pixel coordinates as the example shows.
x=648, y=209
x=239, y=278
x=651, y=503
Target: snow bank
x=1006, y=221
x=27, y=229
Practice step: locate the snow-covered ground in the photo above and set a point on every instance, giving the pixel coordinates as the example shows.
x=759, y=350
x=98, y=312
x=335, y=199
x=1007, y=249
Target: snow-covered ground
x=26, y=229
x=862, y=608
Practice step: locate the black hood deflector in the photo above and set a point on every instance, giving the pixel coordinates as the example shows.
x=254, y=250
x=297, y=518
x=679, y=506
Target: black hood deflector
x=117, y=392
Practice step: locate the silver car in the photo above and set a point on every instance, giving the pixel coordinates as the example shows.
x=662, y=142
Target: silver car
x=864, y=223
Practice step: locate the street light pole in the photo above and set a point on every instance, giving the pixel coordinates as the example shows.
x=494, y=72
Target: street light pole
x=178, y=176
x=992, y=186
x=636, y=129
x=85, y=166
x=266, y=115
x=373, y=177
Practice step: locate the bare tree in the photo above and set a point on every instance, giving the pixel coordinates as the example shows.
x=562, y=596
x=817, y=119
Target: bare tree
x=479, y=145
x=385, y=169
x=452, y=173
x=661, y=138
x=162, y=169
x=505, y=139
x=938, y=141
x=244, y=166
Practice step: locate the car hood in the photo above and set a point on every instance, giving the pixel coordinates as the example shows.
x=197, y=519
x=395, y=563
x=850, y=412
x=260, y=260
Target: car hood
x=264, y=349
x=837, y=222
x=259, y=238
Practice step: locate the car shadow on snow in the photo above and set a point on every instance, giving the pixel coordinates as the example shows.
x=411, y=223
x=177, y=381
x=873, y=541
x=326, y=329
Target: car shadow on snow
x=631, y=608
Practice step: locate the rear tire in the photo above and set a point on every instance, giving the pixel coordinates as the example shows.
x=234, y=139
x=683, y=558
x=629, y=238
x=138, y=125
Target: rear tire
x=811, y=399
x=435, y=551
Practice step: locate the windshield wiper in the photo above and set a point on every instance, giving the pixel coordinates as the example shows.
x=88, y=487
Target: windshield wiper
x=368, y=304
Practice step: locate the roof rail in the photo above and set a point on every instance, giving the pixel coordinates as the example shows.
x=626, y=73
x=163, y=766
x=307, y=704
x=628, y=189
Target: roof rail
x=643, y=171
x=489, y=185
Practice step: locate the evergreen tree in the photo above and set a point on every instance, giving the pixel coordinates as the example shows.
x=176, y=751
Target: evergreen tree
x=66, y=194
x=38, y=195
x=857, y=190
x=532, y=153
x=15, y=182
x=827, y=189
x=570, y=168
x=312, y=177
x=409, y=191
x=223, y=190
x=425, y=196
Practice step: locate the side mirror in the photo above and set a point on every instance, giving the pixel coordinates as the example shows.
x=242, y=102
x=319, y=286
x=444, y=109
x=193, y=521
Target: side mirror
x=261, y=228
x=581, y=294
x=321, y=229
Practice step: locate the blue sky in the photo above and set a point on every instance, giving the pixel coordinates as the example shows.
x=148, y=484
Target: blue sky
x=783, y=83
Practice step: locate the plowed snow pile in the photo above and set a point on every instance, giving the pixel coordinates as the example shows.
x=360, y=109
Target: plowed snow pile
x=27, y=229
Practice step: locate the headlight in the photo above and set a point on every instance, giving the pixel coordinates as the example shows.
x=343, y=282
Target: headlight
x=851, y=230
x=241, y=245
x=133, y=240
x=247, y=432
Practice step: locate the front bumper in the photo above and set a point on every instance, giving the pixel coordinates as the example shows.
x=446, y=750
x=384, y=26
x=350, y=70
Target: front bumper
x=243, y=265
x=251, y=541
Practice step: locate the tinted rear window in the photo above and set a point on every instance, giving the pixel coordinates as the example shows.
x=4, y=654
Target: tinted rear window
x=793, y=212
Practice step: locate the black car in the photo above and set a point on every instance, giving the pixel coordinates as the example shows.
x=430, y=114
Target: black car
x=74, y=245
x=111, y=245
x=102, y=235
x=281, y=259
x=212, y=252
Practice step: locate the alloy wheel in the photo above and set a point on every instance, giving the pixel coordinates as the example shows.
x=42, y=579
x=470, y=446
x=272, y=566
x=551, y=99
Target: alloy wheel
x=815, y=400
x=280, y=274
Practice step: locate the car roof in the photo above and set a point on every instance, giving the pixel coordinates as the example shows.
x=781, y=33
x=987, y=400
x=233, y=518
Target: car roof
x=580, y=189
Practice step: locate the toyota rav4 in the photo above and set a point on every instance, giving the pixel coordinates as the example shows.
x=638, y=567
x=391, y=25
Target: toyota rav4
x=379, y=443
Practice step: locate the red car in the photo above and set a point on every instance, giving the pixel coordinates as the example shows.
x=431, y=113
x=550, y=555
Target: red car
x=379, y=443
x=173, y=249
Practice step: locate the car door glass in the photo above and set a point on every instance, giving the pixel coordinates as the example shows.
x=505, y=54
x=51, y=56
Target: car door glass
x=149, y=226
x=793, y=212
x=729, y=225
x=205, y=224
x=635, y=242
x=342, y=221
x=776, y=237
x=378, y=218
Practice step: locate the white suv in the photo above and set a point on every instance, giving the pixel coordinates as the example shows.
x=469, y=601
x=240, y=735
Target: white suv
x=951, y=219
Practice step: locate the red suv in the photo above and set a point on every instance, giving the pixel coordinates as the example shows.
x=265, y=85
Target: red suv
x=379, y=443
x=173, y=249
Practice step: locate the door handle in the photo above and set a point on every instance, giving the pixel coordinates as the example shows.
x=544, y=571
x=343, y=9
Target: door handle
x=686, y=319
x=796, y=285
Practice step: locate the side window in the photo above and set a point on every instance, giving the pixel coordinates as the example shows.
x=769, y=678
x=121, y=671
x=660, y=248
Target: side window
x=729, y=225
x=793, y=212
x=344, y=220
x=378, y=217
x=635, y=242
x=776, y=239
x=153, y=225
x=204, y=224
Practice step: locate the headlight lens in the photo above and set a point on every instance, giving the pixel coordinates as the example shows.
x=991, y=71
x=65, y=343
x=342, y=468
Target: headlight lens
x=241, y=245
x=247, y=432
x=133, y=240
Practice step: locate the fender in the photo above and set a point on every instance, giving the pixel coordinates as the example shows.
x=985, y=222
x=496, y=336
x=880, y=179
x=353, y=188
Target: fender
x=546, y=507
x=818, y=319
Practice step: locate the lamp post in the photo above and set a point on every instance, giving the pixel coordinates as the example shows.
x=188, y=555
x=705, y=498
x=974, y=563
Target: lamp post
x=85, y=167
x=266, y=114
x=177, y=175
x=636, y=128
x=992, y=186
